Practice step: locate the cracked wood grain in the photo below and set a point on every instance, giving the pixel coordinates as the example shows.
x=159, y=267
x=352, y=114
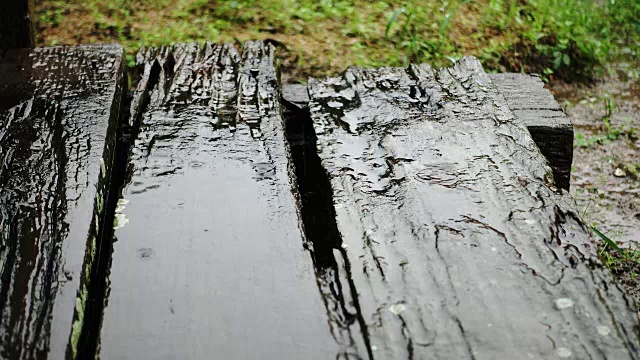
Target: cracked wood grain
x=209, y=259
x=459, y=245
x=550, y=128
x=59, y=109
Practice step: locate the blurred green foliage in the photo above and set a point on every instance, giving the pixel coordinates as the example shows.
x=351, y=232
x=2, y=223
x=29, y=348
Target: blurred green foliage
x=570, y=39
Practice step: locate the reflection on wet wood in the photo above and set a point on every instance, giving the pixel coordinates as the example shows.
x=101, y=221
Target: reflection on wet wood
x=407, y=214
x=209, y=260
x=59, y=109
x=450, y=240
x=533, y=107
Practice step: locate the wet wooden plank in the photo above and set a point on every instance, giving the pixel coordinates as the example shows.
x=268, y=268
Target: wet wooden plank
x=449, y=240
x=535, y=107
x=59, y=110
x=296, y=95
x=209, y=259
x=16, y=24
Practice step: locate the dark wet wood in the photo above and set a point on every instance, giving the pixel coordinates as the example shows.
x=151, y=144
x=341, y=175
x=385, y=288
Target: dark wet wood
x=209, y=260
x=532, y=105
x=59, y=110
x=296, y=95
x=16, y=24
x=535, y=107
x=450, y=241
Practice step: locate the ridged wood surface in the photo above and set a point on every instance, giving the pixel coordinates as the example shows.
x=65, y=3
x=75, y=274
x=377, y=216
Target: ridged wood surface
x=209, y=260
x=59, y=109
x=449, y=228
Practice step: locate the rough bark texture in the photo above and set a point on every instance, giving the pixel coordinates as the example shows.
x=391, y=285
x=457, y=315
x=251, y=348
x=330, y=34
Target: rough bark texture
x=535, y=107
x=449, y=240
x=16, y=24
x=209, y=260
x=532, y=105
x=59, y=110
x=425, y=223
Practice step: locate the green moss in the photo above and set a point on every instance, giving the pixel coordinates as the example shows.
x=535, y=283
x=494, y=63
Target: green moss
x=81, y=298
x=76, y=328
x=89, y=259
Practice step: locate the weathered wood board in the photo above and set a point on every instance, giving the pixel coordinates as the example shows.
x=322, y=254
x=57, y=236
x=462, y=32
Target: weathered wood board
x=535, y=107
x=209, y=260
x=448, y=232
x=59, y=110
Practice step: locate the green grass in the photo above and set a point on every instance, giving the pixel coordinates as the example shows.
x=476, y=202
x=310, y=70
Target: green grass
x=619, y=260
x=570, y=39
x=632, y=169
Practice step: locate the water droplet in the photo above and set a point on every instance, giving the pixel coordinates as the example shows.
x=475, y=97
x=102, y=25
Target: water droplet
x=145, y=253
x=196, y=164
x=397, y=309
x=564, y=352
x=603, y=330
x=264, y=170
x=564, y=303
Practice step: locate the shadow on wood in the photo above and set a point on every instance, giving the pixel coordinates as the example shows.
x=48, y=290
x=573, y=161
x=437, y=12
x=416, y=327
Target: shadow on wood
x=16, y=24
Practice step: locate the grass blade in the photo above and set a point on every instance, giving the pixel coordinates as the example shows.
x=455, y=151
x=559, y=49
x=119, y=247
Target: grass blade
x=609, y=243
x=445, y=22
x=394, y=16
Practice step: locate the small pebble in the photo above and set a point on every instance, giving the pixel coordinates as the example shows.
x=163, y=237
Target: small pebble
x=619, y=173
x=564, y=352
x=564, y=303
x=603, y=330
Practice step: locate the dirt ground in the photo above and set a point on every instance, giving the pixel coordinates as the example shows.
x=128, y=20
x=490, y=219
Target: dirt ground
x=606, y=163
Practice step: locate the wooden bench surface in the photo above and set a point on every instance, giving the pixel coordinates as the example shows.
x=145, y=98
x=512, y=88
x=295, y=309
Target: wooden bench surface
x=448, y=229
x=392, y=213
x=210, y=260
x=534, y=107
x=59, y=109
